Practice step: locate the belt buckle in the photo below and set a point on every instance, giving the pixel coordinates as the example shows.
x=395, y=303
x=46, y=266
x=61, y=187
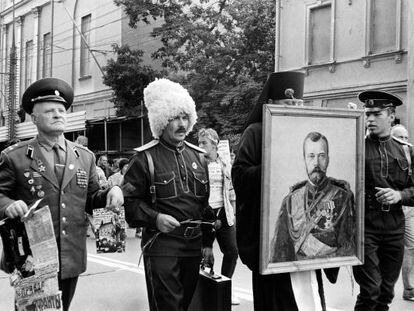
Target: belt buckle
x=188, y=232
x=385, y=207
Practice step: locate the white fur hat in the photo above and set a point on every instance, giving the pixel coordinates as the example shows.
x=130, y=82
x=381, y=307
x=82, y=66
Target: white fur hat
x=165, y=100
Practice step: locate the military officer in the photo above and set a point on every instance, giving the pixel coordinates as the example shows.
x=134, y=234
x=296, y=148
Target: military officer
x=60, y=172
x=166, y=191
x=317, y=218
x=389, y=184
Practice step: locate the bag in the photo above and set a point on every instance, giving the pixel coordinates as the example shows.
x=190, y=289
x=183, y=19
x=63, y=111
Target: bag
x=213, y=292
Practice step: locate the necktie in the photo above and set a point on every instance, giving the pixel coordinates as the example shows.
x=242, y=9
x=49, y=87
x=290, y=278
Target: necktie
x=59, y=162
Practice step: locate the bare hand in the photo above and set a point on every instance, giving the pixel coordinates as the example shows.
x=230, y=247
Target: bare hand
x=208, y=256
x=114, y=199
x=387, y=195
x=16, y=209
x=166, y=223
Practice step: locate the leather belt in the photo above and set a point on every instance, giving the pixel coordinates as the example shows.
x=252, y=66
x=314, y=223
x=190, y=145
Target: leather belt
x=186, y=232
x=372, y=204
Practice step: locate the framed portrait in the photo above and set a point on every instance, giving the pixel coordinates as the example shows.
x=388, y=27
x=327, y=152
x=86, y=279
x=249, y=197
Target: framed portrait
x=312, y=213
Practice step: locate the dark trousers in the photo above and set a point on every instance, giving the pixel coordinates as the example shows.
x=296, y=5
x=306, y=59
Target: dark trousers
x=68, y=287
x=273, y=292
x=171, y=281
x=226, y=238
x=380, y=271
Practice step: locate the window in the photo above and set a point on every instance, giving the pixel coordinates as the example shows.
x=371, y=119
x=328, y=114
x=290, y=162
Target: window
x=383, y=26
x=28, y=66
x=46, y=55
x=320, y=33
x=85, y=42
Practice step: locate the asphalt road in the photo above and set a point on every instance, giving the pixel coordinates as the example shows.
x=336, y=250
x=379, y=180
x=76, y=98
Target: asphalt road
x=114, y=282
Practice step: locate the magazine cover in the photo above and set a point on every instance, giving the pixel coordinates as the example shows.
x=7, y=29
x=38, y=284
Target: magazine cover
x=109, y=229
x=31, y=259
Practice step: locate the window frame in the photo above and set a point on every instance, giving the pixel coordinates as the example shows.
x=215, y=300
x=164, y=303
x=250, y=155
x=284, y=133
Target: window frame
x=308, y=33
x=84, y=54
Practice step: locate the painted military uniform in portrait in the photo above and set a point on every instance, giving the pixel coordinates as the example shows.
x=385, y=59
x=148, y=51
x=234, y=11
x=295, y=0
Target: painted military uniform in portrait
x=315, y=222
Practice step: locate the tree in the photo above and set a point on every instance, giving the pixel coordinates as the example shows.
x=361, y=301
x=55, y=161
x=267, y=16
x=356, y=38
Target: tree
x=128, y=77
x=225, y=47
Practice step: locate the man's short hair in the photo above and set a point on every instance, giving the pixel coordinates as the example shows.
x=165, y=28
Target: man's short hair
x=210, y=134
x=315, y=136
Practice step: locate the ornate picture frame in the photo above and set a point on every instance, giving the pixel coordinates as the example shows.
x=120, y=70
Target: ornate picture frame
x=311, y=214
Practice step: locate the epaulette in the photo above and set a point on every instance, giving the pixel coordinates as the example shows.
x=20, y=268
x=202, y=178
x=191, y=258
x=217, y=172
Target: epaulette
x=402, y=141
x=340, y=183
x=197, y=148
x=149, y=145
x=76, y=147
x=298, y=185
x=16, y=146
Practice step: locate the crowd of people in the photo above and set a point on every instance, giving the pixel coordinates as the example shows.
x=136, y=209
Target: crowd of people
x=182, y=196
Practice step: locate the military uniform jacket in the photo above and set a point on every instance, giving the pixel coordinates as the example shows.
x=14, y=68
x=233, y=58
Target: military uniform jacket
x=315, y=222
x=181, y=190
x=25, y=175
x=387, y=166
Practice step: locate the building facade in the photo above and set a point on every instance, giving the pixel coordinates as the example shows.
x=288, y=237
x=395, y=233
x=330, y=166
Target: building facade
x=71, y=40
x=347, y=46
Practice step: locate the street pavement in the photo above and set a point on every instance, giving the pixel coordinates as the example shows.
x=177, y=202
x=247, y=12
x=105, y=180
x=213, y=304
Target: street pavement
x=114, y=282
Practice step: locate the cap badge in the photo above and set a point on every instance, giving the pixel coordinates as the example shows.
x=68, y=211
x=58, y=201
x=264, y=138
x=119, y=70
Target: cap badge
x=289, y=93
x=57, y=93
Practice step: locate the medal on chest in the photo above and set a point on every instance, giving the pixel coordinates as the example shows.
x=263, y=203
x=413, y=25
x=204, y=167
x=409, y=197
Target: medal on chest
x=81, y=178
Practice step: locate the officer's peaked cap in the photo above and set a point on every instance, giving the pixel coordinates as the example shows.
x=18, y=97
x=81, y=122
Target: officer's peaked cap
x=47, y=89
x=379, y=99
x=279, y=85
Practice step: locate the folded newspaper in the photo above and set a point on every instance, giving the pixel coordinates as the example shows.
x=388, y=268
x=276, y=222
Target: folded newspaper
x=109, y=229
x=36, y=265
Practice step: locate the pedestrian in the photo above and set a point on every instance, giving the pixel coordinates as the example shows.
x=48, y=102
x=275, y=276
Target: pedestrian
x=389, y=184
x=60, y=172
x=82, y=140
x=275, y=292
x=400, y=132
x=221, y=201
x=118, y=177
x=100, y=171
x=166, y=191
x=103, y=164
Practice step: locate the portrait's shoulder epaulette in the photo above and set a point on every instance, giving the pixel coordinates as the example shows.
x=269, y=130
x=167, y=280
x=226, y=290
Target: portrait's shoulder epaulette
x=197, y=148
x=17, y=146
x=340, y=183
x=402, y=141
x=147, y=146
x=298, y=185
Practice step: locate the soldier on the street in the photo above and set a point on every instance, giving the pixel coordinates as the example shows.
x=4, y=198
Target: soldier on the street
x=166, y=191
x=60, y=172
x=389, y=184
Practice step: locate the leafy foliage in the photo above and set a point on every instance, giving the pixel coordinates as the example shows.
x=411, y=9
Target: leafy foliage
x=224, y=47
x=128, y=77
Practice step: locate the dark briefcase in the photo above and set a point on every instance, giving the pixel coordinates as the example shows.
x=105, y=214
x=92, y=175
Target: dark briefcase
x=213, y=293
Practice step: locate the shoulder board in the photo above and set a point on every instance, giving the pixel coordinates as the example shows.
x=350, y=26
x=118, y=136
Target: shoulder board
x=401, y=141
x=340, y=183
x=149, y=145
x=17, y=146
x=197, y=148
x=76, y=147
x=298, y=185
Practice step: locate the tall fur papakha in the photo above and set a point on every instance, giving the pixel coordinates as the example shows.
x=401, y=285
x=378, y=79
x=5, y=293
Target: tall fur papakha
x=165, y=100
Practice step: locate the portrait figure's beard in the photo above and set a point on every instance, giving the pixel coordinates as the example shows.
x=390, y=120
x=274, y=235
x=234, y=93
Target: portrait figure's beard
x=316, y=175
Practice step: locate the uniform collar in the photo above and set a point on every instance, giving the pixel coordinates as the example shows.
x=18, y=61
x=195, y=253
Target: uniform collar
x=380, y=139
x=180, y=147
x=48, y=145
x=319, y=187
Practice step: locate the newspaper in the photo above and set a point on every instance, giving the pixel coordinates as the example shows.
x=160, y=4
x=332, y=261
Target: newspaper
x=40, y=289
x=223, y=149
x=109, y=229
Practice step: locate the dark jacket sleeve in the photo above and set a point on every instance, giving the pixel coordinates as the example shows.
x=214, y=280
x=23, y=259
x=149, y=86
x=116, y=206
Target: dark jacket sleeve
x=137, y=199
x=7, y=183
